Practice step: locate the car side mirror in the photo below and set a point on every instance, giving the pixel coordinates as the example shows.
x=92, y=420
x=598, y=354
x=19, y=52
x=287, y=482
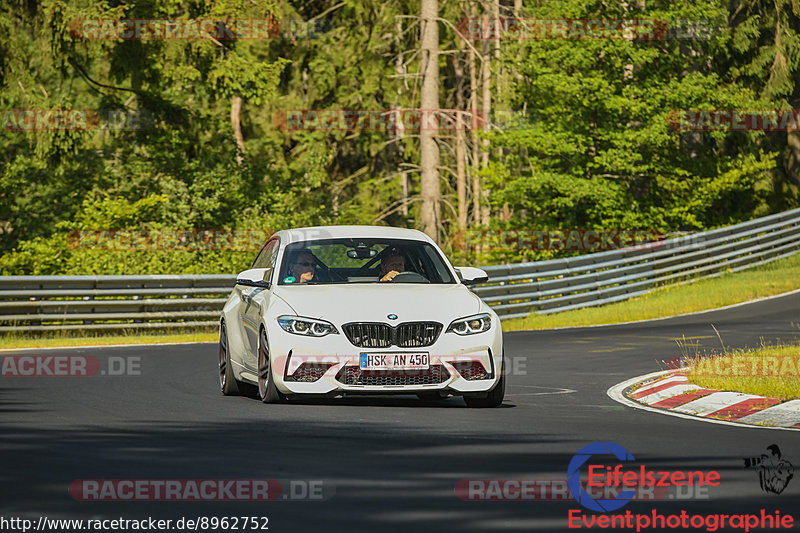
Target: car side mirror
x=254, y=278
x=472, y=275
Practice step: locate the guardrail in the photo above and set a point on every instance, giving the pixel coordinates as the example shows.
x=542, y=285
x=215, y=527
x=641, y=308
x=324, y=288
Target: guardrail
x=46, y=303
x=605, y=277
x=42, y=303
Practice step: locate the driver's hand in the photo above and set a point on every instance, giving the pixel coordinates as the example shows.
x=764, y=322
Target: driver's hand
x=390, y=275
x=306, y=276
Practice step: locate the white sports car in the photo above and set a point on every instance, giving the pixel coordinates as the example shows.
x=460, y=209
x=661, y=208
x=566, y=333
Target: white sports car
x=342, y=310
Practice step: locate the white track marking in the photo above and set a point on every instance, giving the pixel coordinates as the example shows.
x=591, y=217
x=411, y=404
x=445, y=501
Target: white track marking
x=615, y=393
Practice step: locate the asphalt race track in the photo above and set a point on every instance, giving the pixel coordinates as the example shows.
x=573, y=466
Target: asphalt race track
x=386, y=463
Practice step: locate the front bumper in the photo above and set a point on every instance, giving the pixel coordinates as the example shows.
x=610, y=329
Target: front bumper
x=330, y=365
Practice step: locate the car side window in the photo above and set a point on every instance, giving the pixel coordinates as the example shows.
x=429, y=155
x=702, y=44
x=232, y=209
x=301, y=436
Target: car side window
x=267, y=258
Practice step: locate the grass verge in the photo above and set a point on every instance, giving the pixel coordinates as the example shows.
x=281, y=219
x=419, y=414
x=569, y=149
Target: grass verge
x=774, y=278
x=59, y=339
x=770, y=370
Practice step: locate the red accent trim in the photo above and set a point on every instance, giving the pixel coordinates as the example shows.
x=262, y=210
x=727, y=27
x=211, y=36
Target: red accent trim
x=681, y=399
x=743, y=408
x=642, y=393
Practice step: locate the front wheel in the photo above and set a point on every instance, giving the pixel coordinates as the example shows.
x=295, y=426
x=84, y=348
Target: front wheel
x=267, y=391
x=227, y=382
x=495, y=396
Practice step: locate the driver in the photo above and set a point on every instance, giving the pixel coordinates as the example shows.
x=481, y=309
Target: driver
x=303, y=265
x=391, y=265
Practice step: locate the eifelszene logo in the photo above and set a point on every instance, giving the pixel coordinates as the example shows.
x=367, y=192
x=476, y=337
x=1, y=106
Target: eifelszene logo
x=574, y=476
x=774, y=472
x=625, y=482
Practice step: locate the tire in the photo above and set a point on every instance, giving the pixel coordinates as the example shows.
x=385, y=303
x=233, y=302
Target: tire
x=267, y=392
x=495, y=396
x=227, y=382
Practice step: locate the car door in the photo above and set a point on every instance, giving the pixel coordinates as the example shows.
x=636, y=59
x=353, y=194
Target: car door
x=253, y=300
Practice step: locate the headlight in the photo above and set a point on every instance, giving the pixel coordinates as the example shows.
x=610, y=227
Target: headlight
x=306, y=326
x=471, y=324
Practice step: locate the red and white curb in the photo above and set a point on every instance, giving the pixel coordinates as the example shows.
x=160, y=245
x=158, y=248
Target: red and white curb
x=670, y=392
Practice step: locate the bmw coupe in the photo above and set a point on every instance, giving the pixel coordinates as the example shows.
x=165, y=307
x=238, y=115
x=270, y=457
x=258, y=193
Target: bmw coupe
x=341, y=310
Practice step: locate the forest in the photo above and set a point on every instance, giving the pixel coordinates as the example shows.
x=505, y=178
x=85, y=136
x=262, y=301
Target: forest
x=173, y=136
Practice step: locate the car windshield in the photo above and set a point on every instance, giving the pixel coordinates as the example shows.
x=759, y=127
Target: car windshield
x=363, y=261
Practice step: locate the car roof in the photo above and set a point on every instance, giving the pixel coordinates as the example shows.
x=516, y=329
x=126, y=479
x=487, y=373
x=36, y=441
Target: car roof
x=354, y=232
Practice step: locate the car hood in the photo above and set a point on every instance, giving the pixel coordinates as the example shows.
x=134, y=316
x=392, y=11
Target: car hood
x=374, y=302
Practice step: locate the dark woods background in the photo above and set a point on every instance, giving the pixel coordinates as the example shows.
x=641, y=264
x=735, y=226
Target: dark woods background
x=579, y=135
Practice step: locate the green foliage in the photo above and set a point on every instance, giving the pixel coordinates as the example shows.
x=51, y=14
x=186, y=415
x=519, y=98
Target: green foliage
x=582, y=135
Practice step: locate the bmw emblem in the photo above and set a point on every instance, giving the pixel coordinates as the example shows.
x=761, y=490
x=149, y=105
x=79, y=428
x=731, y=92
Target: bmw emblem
x=391, y=317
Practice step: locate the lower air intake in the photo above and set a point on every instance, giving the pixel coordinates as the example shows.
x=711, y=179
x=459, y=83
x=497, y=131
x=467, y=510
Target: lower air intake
x=353, y=375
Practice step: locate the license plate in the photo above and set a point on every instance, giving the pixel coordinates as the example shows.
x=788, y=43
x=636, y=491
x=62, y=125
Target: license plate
x=395, y=361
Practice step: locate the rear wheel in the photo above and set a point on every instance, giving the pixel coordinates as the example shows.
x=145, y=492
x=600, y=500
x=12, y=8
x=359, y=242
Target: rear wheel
x=267, y=391
x=227, y=382
x=495, y=396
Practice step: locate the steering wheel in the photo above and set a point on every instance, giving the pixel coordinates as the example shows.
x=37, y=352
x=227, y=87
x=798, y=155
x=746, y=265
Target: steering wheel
x=409, y=277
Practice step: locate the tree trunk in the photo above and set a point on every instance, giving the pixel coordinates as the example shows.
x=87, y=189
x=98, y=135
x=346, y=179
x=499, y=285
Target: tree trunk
x=792, y=159
x=486, y=100
x=461, y=154
x=399, y=69
x=501, y=89
x=500, y=85
x=429, y=102
x=236, y=123
x=473, y=104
